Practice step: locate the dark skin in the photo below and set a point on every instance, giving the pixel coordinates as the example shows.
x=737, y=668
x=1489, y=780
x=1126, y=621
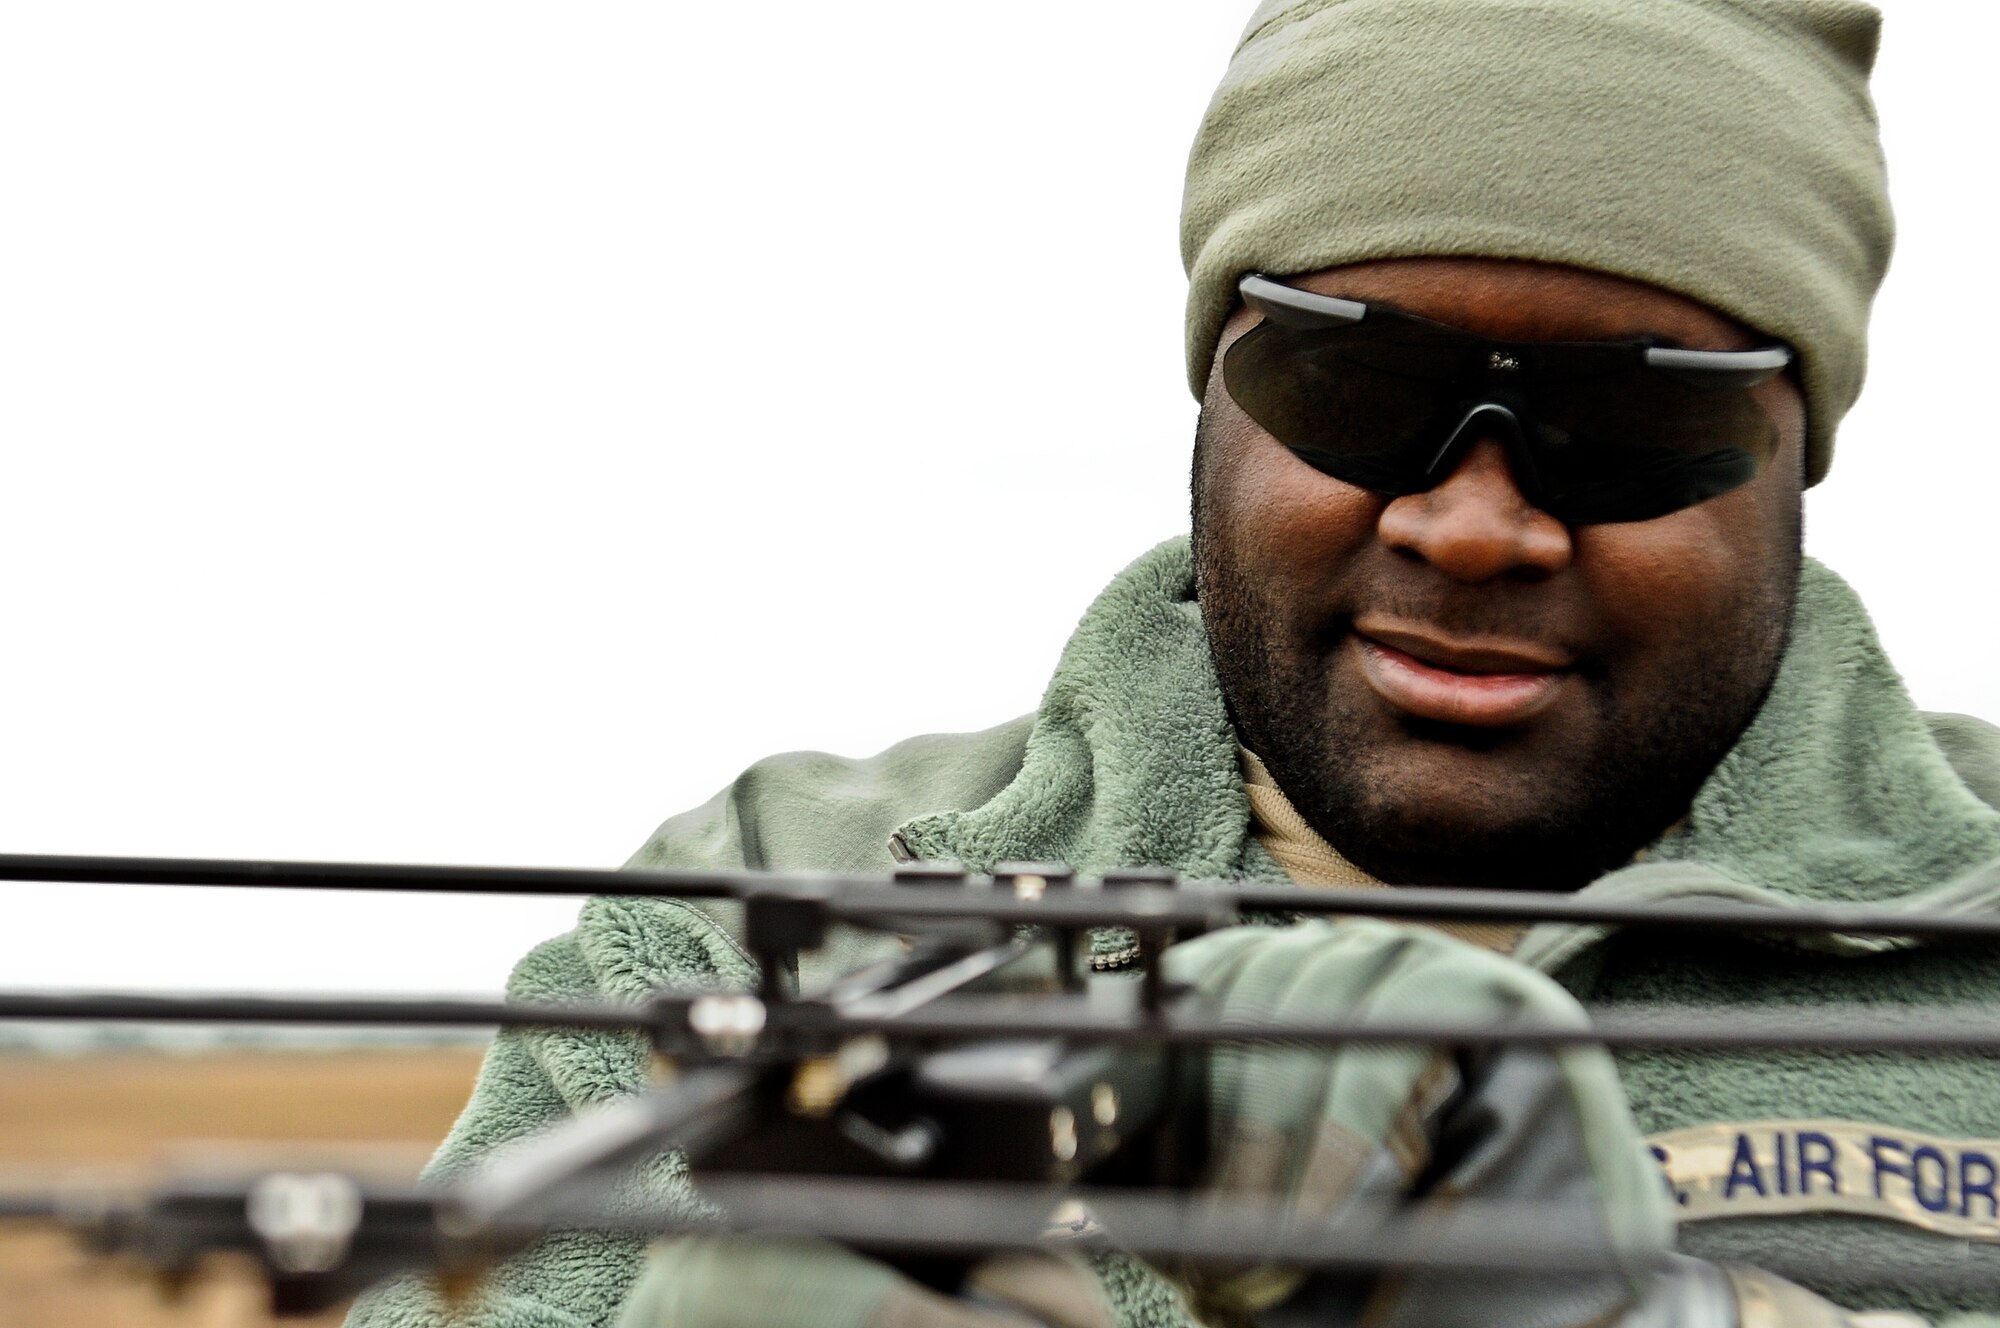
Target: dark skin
x=1349, y=628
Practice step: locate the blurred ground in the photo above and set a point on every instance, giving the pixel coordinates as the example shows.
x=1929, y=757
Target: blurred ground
x=119, y=1114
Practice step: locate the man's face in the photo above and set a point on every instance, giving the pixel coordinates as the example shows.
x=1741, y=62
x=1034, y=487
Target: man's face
x=1453, y=686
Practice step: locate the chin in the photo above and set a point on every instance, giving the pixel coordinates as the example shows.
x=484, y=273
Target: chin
x=1433, y=813
x=1423, y=770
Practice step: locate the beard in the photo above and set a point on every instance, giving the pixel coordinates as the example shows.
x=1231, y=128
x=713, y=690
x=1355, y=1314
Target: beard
x=1420, y=802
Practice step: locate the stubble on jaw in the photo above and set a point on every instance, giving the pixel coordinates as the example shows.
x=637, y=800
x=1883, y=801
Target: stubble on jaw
x=1569, y=820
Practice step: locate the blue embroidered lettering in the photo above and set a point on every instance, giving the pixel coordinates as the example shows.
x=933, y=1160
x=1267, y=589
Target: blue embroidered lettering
x=1743, y=1170
x=1983, y=1185
x=1818, y=1155
x=1877, y=1146
x=1666, y=1161
x=1936, y=1200
x=1777, y=1168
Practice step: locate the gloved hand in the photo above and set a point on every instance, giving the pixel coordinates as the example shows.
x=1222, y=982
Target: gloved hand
x=1314, y=1133
x=1441, y=1136
x=780, y=1282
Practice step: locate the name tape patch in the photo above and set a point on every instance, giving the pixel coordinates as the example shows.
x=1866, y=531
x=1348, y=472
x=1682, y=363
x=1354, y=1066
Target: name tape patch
x=1776, y=1167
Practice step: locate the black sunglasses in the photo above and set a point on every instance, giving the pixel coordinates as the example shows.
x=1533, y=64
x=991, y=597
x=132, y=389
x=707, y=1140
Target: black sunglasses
x=1597, y=431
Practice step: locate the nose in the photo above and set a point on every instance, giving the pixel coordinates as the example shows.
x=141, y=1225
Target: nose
x=1477, y=525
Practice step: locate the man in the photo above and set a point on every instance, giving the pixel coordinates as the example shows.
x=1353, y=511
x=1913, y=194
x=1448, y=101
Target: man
x=1520, y=327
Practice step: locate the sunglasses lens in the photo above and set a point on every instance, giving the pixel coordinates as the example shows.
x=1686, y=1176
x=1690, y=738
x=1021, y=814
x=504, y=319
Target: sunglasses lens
x=1360, y=406
x=1606, y=437
x=1632, y=443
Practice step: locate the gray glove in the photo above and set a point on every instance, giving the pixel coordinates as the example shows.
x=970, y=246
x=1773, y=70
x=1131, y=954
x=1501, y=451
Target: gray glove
x=1329, y=1132
x=1317, y=1134
x=1443, y=1141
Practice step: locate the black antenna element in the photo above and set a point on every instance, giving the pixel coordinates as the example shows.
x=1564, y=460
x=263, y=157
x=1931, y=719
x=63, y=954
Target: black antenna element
x=1083, y=902
x=895, y=1110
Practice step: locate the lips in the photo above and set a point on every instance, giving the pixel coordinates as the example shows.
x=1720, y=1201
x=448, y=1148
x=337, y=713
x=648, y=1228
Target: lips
x=1483, y=683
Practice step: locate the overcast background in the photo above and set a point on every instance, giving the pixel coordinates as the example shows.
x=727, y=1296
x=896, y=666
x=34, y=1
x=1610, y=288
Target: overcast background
x=472, y=432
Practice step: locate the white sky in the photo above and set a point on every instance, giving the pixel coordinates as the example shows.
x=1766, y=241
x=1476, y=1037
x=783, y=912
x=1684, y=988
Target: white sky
x=472, y=432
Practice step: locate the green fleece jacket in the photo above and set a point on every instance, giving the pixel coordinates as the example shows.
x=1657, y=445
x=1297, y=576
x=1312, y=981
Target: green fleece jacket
x=1839, y=790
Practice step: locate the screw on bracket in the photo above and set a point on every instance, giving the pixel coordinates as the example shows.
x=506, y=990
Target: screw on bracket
x=820, y=1082
x=1031, y=880
x=728, y=1025
x=306, y=1221
x=1062, y=1134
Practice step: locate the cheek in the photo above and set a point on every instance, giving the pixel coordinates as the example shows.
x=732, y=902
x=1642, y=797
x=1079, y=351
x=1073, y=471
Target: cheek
x=1290, y=524
x=1687, y=575
x=1718, y=572
x=1295, y=525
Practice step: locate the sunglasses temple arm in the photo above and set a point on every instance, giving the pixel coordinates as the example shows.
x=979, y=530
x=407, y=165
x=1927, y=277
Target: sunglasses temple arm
x=1302, y=310
x=1719, y=368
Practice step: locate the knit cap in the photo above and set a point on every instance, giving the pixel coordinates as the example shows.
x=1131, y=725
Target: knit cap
x=1722, y=149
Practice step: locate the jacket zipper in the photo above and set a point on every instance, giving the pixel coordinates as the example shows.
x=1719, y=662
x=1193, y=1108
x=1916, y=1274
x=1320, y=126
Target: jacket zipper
x=1112, y=960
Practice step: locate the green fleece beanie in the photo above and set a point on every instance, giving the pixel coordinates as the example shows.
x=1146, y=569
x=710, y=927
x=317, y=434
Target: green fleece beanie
x=1722, y=149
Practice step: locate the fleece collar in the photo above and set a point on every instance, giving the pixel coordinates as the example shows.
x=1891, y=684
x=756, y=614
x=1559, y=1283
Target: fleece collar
x=1132, y=759
x=1837, y=791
